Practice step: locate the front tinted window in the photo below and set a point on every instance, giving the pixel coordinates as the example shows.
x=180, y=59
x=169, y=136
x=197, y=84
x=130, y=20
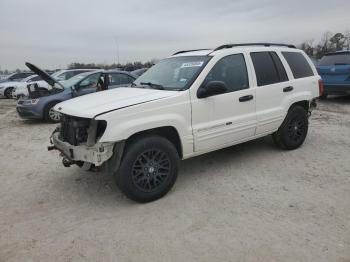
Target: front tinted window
x=298, y=64
x=265, y=69
x=335, y=59
x=175, y=73
x=231, y=70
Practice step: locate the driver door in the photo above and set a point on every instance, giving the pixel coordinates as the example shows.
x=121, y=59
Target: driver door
x=89, y=84
x=225, y=119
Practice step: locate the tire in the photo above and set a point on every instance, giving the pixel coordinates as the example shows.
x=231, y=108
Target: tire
x=148, y=169
x=292, y=133
x=50, y=115
x=8, y=92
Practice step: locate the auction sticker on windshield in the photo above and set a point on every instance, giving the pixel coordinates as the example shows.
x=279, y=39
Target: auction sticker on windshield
x=192, y=64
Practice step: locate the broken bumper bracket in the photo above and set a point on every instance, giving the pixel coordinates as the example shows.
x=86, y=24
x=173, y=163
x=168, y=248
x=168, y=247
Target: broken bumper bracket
x=96, y=154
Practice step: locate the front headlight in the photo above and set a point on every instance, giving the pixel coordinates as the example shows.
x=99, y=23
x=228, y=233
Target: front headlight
x=31, y=102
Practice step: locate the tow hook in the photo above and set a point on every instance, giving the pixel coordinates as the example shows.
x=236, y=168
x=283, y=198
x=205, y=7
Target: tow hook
x=66, y=162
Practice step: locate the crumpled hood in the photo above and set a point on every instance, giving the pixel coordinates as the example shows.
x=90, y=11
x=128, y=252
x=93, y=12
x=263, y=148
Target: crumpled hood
x=88, y=106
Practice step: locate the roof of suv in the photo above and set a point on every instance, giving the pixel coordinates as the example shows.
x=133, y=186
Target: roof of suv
x=206, y=52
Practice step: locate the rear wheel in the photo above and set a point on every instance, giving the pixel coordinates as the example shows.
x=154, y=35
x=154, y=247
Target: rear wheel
x=8, y=92
x=51, y=115
x=292, y=133
x=148, y=168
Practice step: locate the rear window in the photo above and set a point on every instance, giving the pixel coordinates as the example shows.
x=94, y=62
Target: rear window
x=298, y=64
x=335, y=59
x=268, y=68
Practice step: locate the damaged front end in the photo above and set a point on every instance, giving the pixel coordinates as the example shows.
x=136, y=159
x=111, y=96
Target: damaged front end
x=77, y=140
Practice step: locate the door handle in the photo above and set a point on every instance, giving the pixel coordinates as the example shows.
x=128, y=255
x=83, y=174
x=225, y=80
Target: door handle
x=288, y=89
x=246, y=98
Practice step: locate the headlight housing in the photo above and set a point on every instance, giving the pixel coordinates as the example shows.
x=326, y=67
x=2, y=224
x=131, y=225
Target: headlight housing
x=31, y=102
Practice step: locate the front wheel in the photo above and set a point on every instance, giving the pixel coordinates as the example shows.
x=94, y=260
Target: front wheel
x=292, y=133
x=8, y=92
x=148, y=168
x=51, y=115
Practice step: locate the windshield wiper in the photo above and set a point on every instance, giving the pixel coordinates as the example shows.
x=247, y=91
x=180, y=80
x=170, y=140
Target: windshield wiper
x=155, y=86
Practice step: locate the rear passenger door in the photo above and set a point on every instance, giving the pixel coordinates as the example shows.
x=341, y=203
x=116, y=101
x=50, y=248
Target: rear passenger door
x=272, y=87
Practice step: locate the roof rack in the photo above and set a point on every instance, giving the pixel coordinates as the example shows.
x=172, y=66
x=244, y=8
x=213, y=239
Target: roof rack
x=186, y=51
x=249, y=44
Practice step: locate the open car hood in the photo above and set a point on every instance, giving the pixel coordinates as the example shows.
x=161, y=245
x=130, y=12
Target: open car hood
x=89, y=106
x=45, y=76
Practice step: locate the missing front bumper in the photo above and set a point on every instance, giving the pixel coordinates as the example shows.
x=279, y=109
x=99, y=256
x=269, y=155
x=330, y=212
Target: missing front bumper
x=96, y=154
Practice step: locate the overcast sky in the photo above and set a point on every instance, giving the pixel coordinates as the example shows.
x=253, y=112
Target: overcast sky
x=53, y=34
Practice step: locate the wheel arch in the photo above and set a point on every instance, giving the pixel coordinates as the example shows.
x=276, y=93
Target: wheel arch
x=45, y=107
x=168, y=132
x=303, y=103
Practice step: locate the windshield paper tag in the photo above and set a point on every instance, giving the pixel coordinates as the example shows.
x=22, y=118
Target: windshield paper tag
x=192, y=64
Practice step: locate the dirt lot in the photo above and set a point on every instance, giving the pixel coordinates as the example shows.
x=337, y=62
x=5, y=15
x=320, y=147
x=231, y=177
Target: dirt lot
x=250, y=202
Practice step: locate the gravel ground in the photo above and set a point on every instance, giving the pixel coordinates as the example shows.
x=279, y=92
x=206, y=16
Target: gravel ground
x=251, y=202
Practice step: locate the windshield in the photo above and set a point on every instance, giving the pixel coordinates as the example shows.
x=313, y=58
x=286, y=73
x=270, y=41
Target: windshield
x=176, y=73
x=335, y=59
x=74, y=80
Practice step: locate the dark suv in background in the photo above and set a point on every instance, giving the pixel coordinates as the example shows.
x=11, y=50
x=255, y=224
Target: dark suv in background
x=334, y=68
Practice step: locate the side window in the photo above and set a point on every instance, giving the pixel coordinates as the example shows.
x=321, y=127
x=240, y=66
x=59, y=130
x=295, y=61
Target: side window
x=298, y=64
x=119, y=79
x=279, y=66
x=114, y=79
x=91, y=81
x=37, y=78
x=125, y=79
x=265, y=69
x=232, y=70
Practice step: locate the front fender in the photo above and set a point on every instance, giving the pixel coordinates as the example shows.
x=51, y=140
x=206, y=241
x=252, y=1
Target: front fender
x=123, y=130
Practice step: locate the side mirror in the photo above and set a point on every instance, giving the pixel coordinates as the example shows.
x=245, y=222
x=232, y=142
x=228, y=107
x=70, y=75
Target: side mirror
x=212, y=88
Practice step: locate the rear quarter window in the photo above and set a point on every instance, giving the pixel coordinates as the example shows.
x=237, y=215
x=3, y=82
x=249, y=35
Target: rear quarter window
x=298, y=64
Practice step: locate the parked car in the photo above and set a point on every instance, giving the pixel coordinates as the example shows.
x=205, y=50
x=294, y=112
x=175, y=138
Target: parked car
x=139, y=72
x=16, y=77
x=189, y=104
x=7, y=88
x=40, y=102
x=334, y=68
x=61, y=75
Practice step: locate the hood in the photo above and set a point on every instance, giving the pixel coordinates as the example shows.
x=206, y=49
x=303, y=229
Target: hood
x=45, y=76
x=91, y=105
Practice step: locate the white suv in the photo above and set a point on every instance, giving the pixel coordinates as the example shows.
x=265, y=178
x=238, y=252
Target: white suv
x=189, y=104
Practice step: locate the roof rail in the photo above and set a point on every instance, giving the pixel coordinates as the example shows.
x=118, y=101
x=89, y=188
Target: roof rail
x=186, y=51
x=249, y=44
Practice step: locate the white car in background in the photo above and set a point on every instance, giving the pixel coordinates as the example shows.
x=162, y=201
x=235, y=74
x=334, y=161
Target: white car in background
x=61, y=75
x=7, y=88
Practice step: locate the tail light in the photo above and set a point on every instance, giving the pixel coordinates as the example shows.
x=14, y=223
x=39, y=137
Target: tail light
x=320, y=87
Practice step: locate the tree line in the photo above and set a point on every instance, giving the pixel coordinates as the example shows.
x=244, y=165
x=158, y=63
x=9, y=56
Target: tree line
x=329, y=43
x=129, y=66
